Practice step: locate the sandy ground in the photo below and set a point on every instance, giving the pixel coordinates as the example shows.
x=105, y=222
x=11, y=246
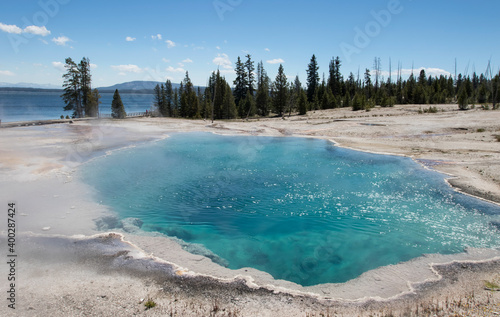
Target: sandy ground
x=63, y=270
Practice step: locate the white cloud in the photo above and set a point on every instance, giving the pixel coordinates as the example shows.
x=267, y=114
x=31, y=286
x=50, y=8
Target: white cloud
x=61, y=40
x=124, y=69
x=165, y=60
x=130, y=39
x=14, y=29
x=170, y=69
x=59, y=66
x=405, y=72
x=31, y=29
x=223, y=61
x=217, y=47
x=93, y=66
x=37, y=30
x=276, y=61
x=6, y=73
x=187, y=60
x=267, y=50
x=170, y=44
x=435, y=71
x=156, y=37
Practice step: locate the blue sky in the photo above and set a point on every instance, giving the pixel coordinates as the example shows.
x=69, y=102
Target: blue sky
x=159, y=40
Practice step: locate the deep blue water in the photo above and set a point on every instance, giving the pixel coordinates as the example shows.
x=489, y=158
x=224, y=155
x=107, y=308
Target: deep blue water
x=26, y=106
x=300, y=209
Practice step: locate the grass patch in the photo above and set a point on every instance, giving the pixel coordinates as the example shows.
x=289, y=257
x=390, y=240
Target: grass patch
x=481, y=130
x=491, y=286
x=497, y=137
x=149, y=304
x=428, y=110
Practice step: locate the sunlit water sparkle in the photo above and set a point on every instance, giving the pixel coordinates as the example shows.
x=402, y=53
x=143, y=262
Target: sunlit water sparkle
x=300, y=209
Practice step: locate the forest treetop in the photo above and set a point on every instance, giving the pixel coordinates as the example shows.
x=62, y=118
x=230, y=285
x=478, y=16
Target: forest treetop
x=254, y=93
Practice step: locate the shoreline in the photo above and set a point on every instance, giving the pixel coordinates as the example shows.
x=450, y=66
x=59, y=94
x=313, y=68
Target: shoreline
x=96, y=138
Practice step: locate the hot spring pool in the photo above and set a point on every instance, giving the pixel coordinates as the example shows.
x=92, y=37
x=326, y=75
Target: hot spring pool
x=300, y=209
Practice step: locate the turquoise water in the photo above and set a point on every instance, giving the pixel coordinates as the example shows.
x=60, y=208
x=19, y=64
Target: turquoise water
x=300, y=209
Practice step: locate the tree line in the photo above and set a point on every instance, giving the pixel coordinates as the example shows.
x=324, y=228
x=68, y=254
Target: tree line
x=254, y=94
x=78, y=95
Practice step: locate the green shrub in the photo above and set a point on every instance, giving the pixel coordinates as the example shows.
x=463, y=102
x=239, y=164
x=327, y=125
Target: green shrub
x=149, y=304
x=428, y=110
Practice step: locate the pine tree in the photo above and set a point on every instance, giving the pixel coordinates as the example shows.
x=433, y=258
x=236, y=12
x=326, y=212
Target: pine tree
x=280, y=91
x=169, y=96
x=347, y=100
x=420, y=90
x=250, y=68
x=328, y=100
x=163, y=108
x=463, y=99
x=312, y=78
x=117, y=108
x=294, y=95
x=458, y=83
x=229, y=104
x=219, y=89
x=77, y=87
x=482, y=94
x=302, y=103
x=157, y=98
x=359, y=101
x=240, y=83
x=248, y=108
x=368, y=84
x=93, y=103
x=383, y=98
x=262, y=99
x=85, y=83
x=351, y=88
x=335, y=80
x=495, y=91
x=72, y=89
x=189, y=100
x=175, y=104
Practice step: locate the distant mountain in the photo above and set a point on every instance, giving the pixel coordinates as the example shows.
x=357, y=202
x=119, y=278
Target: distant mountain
x=30, y=85
x=132, y=85
x=137, y=86
x=128, y=87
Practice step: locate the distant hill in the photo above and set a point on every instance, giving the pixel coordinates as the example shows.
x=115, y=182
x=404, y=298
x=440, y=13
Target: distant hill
x=131, y=85
x=10, y=89
x=135, y=86
x=138, y=87
x=29, y=85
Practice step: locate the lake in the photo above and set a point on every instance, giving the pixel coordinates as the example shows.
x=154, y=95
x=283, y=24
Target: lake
x=28, y=105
